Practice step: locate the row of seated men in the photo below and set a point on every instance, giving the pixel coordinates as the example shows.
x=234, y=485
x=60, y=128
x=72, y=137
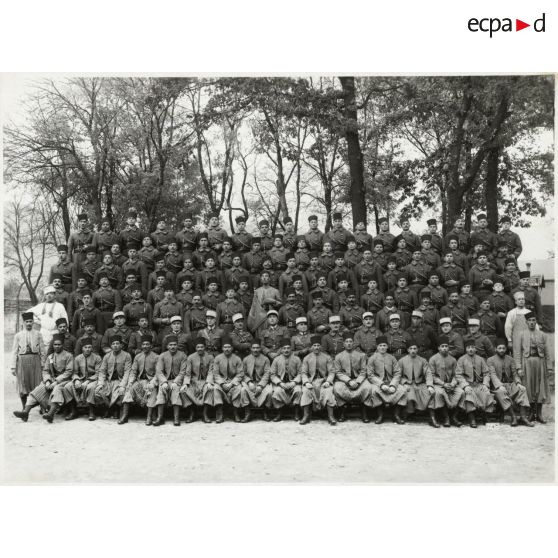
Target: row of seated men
x=305, y=372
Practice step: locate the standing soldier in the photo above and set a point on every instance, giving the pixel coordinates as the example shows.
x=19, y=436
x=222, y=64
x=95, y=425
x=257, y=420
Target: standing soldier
x=241, y=338
x=338, y=235
x=290, y=237
x=194, y=319
x=416, y=377
x=367, y=270
x=412, y=240
x=235, y=272
x=76, y=297
x=417, y=271
x=170, y=371
x=161, y=237
x=423, y=335
x=314, y=237
x=455, y=339
x=166, y=309
x=193, y=388
x=88, y=267
x=372, y=299
x=351, y=384
x=215, y=234
x=28, y=355
x=227, y=309
x=81, y=389
x=144, y=330
x=142, y=385
x=211, y=333
x=111, y=271
x=118, y=257
x=241, y=240
x=57, y=371
x=137, y=307
x=398, y=340
x=456, y=311
x=317, y=375
x=286, y=380
x=130, y=233
x=148, y=255
x=332, y=341
x=271, y=335
x=105, y=238
x=506, y=383
x=107, y=300
x=366, y=334
x=318, y=316
x=80, y=240
x=473, y=376
x=460, y=235
x=64, y=267
x=266, y=238
x=225, y=258
x=402, y=256
x=490, y=324
x=253, y=260
x=511, y=239
x=47, y=313
x=533, y=362
x=449, y=272
x=481, y=276
x=428, y=254
x=384, y=375
x=69, y=344
x=435, y=238
x=203, y=252
x=484, y=236
x=362, y=237
x=188, y=237
x=388, y=240
x=460, y=258
x=351, y=313
x=135, y=265
x=257, y=372
x=61, y=296
x=447, y=393
x=157, y=293
x=90, y=333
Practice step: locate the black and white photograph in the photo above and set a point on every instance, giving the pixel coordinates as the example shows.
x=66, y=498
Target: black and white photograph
x=279, y=279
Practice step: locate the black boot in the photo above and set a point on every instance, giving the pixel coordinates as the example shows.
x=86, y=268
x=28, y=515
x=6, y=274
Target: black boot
x=124, y=414
x=23, y=401
x=380, y=415
x=92, y=415
x=24, y=415
x=331, y=415
x=266, y=416
x=73, y=414
x=341, y=416
x=176, y=415
x=446, y=422
x=433, y=421
x=149, y=418
x=297, y=413
x=397, y=415
x=206, y=418
x=364, y=414
x=219, y=414
x=160, y=415
x=472, y=420
x=454, y=420
x=190, y=414
x=513, y=417
x=247, y=414
x=116, y=412
x=49, y=416
x=306, y=414
x=539, y=414
x=236, y=414
x=523, y=417
x=533, y=412
x=277, y=417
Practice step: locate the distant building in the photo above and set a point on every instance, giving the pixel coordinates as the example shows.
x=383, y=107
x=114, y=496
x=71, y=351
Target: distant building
x=542, y=276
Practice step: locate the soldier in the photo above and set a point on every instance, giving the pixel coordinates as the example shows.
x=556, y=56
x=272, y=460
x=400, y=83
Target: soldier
x=384, y=375
x=461, y=236
x=365, y=335
x=363, y=238
x=257, y=372
x=430, y=314
x=148, y=255
x=215, y=234
x=69, y=344
x=435, y=239
x=382, y=317
x=351, y=384
x=447, y=393
x=290, y=236
x=438, y=295
x=388, y=240
x=211, y=333
x=379, y=256
x=455, y=339
x=235, y=272
x=136, y=308
x=367, y=270
x=135, y=265
x=165, y=309
x=314, y=237
x=290, y=275
x=340, y=271
x=194, y=319
x=484, y=236
x=467, y=298
x=300, y=341
x=57, y=371
x=265, y=298
x=113, y=273
x=60, y=294
x=90, y=333
x=483, y=346
x=253, y=260
x=416, y=377
x=516, y=322
x=338, y=235
x=81, y=389
x=533, y=362
x=157, y=293
x=402, y=256
x=75, y=300
x=351, y=313
x=456, y=311
x=162, y=237
x=423, y=335
x=266, y=238
x=450, y=274
x=329, y=297
x=405, y=299
x=278, y=253
x=290, y=311
x=183, y=338
x=429, y=256
x=241, y=240
x=286, y=380
x=531, y=295
x=46, y=313
x=79, y=241
x=398, y=340
x=64, y=268
x=209, y=271
x=510, y=276
x=508, y=390
x=459, y=258
x=212, y=297
x=313, y=271
x=228, y=308
x=490, y=324
x=417, y=271
x=142, y=384
x=193, y=390
x=224, y=259
x=119, y=329
x=271, y=335
x=118, y=257
x=317, y=375
x=511, y=239
x=244, y=294
x=170, y=371
x=412, y=240
x=481, y=276
x=203, y=252
x=352, y=256
x=27, y=358
x=332, y=341
x=373, y=299
x=326, y=260
x=126, y=291
x=241, y=338
x=473, y=376
x=135, y=342
x=302, y=255
x=188, y=237
x=87, y=267
x=130, y=233
x=318, y=316
x=105, y=238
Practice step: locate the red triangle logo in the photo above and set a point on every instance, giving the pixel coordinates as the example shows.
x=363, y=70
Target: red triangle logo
x=519, y=25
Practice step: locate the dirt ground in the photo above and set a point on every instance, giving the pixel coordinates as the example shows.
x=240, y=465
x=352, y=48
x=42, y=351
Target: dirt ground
x=352, y=452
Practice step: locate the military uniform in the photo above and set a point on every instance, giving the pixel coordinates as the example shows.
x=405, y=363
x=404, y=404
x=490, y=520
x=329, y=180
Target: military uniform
x=161, y=239
x=398, y=341
x=130, y=235
x=318, y=317
x=388, y=240
x=425, y=338
x=503, y=374
x=103, y=241
x=241, y=341
x=96, y=341
x=447, y=392
x=134, y=344
x=332, y=343
x=108, y=301
x=383, y=369
x=142, y=383
x=87, y=313
x=351, y=316
x=418, y=275
x=136, y=308
x=484, y=346
x=194, y=390
x=66, y=272
x=86, y=371
x=372, y=301
x=472, y=371
x=57, y=369
x=166, y=309
x=78, y=242
x=242, y=242
x=459, y=316
x=114, y=274
x=317, y=369
x=314, y=239
x=194, y=320
x=257, y=372
x=365, y=339
x=229, y=384
x=513, y=242
x=490, y=325
x=170, y=371
x=124, y=331
x=416, y=377
x=188, y=241
x=201, y=255
x=113, y=378
x=271, y=338
x=286, y=371
x=148, y=255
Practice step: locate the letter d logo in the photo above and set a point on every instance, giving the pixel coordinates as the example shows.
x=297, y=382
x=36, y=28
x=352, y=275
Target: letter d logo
x=539, y=25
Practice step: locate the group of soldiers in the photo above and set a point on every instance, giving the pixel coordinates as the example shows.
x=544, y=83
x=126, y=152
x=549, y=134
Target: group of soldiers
x=191, y=320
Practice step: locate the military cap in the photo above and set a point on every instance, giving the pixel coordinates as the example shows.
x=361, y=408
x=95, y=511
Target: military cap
x=424, y=237
x=272, y=313
x=367, y=315
x=213, y=216
x=473, y=321
x=200, y=341
x=481, y=216
x=256, y=240
x=446, y=320
x=391, y=259
x=509, y=261
x=301, y=320
x=452, y=237
x=146, y=339
x=312, y=218
x=240, y=219
x=350, y=292
x=433, y=273
x=452, y=289
x=89, y=321
x=263, y=223
x=417, y=314
x=464, y=283
x=394, y=317
x=528, y=315
x=142, y=315
x=82, y=217
x=501, y=341
x=317, y=294
x=175, y=319
x=171, y=339
x=286, y=342
x=210, y=280
x=287, y=220
x=85, y=341
x=58, y=337
x=411, y=343
x=348, y=335
x=61, y=248
x=524, y=274
x=134, y=287
x=505, y=219
x=27, y=316
x=290, y=291
x=56, y=276
x=114, y=338
x=481, y=254
x=203, y=234
x=402, y=275
x=315, y=340
x=237, y=316
x=381, y=339
x=431, y=222
x=49, y=289
x=378, y=242
x=210, y=313
x=243, y=279
x=469, y=343
x=502, y=244
x=278, y=235
x=443, y=340
x=132, y=214
x=383, y=220
x=86, y=292
x=334, y=319
x=188, y=216
x=161, y=273
x=399, y=238
x=81, y=276
x=498, y=279
x=337, y=216
x=313, y=254
x=324, y=275
x=342, y=277
x=118, y=314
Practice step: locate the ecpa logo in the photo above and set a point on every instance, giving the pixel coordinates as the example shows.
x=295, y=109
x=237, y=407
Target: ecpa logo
x=492, y=25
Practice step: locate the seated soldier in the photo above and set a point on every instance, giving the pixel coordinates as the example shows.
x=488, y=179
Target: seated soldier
x=86, y=312
x=490, y=323
x=467, y=298
x=430, y=314
x=241, y=338
x=286, y=380
x=500, y=302
x=398, y=340
x=438, y=294
x=365, y=335
x=157, y=293
x=317, y=374
x=473, y=376
x=213, y=335
x=382, y=317
x=301, y=342
x=416, y=377
x=484, y=347
x=176, y=329
x=141, y=389
x=81, y=389
x=136, y=307
x=257, y=372
x=384, y=375
x=272, y=335
x=351, y=384
x=406, y=300
x=448, y=396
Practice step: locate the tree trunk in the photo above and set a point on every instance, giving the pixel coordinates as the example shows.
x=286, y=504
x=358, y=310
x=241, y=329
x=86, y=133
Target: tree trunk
x=328, y=205
x=354, y=152
x=491, y=187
